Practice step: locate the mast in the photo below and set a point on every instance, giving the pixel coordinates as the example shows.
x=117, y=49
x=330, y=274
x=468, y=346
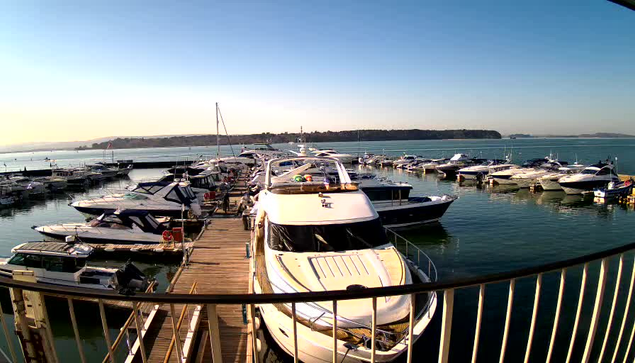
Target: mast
x=217, y=134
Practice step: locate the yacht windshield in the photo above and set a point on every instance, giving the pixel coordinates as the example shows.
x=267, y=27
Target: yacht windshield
x=327, y=238
x=589, y=171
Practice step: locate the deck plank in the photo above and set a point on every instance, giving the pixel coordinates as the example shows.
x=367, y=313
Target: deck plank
x=219, y=266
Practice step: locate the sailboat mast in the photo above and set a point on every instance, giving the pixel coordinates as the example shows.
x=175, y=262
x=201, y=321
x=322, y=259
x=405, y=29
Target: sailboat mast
x=217, y=134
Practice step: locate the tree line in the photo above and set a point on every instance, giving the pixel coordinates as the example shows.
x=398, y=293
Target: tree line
x=316, y=136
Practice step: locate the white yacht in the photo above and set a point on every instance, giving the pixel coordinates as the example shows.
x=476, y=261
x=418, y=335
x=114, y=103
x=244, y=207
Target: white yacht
x=403, y=161
x=592, y=177
x=120, y=227
x=456, y=162
x=343, y=158
x=65, y=264
x=549, y=181
x=480, y=172
x=156, y=198
x=323, y=236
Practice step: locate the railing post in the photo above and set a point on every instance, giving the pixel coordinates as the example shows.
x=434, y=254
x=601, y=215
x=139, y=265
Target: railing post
x=556, y=318
x=104, y=325
x=7, y=336
x=578, y=311
x=177, y=335
x=534, y=315
x=335, y=331
x=597, y=307
x=616, y=291
x=508, y=316
x=214, y=333
x=78, y=340
x=373, y=327
x=446, y=325
x=411, y=325
x=625, y=315
x=135, y=307
x=294, y=317
x=479, y=319
x=630, y=343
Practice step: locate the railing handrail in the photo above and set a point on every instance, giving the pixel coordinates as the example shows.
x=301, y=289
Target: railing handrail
x=433, y=267
x=231, y=299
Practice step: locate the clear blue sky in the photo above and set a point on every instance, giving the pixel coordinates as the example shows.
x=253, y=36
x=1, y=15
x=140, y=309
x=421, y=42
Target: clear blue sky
x=74, y=70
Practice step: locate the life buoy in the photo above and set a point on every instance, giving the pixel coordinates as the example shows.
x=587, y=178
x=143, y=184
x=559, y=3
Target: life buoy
x=167, y=236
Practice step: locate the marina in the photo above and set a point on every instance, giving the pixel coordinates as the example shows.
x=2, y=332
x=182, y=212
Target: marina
x=221, y=248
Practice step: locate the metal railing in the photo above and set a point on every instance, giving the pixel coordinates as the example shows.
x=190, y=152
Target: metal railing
x=614, y=343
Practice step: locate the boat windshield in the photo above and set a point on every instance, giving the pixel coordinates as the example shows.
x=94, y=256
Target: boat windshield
x=327, y=238
x=134, y=196
x=589, y=171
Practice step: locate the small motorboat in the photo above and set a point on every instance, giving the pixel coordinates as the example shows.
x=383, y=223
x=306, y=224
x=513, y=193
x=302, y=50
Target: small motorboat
x=65, y=264
x=615, y=190
x=121, y=227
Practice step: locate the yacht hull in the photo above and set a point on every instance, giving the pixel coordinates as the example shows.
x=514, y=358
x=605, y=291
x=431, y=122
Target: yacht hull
x=412, y=212
x=315, y=346
x=583, y=186
x=550, y=185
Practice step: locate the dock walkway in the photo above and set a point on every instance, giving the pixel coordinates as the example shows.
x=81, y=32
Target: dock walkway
x=218, y=265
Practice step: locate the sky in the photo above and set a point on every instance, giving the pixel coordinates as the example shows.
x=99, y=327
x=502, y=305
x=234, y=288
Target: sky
x=79, y=70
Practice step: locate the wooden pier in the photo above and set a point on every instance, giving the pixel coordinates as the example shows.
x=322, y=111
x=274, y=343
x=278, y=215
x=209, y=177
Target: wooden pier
x=218, y=265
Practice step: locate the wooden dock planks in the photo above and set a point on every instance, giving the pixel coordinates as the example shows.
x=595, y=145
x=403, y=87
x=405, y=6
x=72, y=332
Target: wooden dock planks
x=218, y=265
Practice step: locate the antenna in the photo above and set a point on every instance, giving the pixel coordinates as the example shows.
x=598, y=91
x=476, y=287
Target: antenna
x=217, y=134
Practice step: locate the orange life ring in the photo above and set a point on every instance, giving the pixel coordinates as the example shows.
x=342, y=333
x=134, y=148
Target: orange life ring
x=167, y=236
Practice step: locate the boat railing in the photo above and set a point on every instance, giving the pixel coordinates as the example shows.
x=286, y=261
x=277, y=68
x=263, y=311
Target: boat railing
x=414, y=254
x=602, y=331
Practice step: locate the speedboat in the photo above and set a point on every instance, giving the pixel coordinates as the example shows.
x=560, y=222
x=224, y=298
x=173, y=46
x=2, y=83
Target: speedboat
x=169, y=200
x=120, y=227
x=592, y=177
x=344, y=158
x=314, y=234
x=432, y=165
x=403, y=160
x=480, y=172
x=458, y=161
x=103, y=169
x=549, y=181
x=65, y=264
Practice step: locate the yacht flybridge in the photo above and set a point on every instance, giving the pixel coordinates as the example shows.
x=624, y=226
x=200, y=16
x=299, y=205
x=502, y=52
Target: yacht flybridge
x=315, y=234
x=157, y=199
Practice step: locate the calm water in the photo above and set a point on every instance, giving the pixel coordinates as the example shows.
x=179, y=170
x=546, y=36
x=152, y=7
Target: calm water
x=486, y=230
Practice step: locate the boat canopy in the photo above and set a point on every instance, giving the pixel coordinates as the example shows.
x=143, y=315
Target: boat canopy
x=327, y=238
x=127, y=219
x=178, y=192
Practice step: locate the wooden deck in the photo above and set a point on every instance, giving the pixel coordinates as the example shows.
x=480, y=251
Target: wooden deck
x=218, y=265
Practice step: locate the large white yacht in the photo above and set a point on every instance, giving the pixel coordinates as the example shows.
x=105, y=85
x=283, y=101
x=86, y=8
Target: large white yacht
x=549, y=181
x=158, y=199
x=123, y=227
x=592, y=177
x=312, y=235
x=480, y=172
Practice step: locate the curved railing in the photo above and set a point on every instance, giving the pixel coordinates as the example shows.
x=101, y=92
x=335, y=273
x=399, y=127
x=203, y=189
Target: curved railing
x=448, y=289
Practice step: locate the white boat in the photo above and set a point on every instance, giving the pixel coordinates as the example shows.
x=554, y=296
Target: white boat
x=75, y=177
x=120, y=227
x=592, y=177
x=480, y=172
x=322, y=236
x=456, y=162
x=549, y=181
x=503, y=177
x=529, y=178
x=156, y=198
x=403, y=161
x=343, y=158
x=65, y=264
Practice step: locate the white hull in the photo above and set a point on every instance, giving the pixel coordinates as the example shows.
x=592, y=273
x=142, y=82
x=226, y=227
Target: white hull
x=550, y=185
x=314, y=346
x=504, y=181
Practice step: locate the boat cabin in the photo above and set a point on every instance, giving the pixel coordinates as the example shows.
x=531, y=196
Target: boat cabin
x=49, y=256
x=125, y=219
x=178, y=192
